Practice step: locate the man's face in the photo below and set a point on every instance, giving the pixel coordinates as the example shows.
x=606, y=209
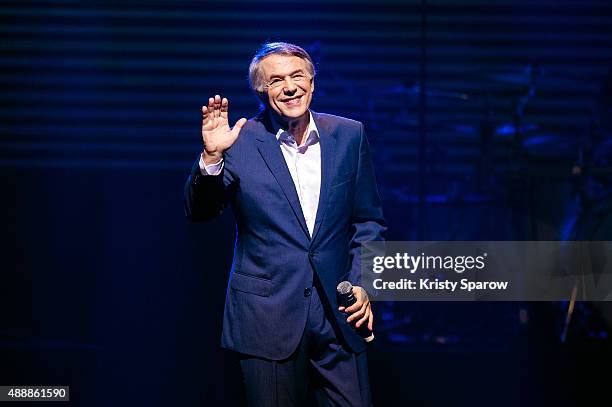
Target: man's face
x=289, y=85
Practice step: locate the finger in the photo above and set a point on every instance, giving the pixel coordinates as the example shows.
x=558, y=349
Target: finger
x=238, y=126
x=371, y=321
x=207, y=109
x=355, y=307
x=211, y=111
x=204, y=114
x=359, y=293
x=217, y=106
x=224, y=105
x=205, y=124
x=206, y=118
x=224, y=109
x=358, y=314
x=365, y=318
x=355, y=316
x=341, y=309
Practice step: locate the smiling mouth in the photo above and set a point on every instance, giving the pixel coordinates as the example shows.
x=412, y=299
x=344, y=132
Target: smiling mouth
x=293, y=102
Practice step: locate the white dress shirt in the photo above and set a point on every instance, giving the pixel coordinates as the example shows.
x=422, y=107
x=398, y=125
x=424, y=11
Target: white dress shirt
x=304, y=163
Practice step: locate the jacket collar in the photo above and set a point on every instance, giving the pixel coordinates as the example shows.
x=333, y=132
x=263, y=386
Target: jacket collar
x=271, y=153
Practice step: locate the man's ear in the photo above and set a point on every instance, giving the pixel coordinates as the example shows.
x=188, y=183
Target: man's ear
x=312, y=85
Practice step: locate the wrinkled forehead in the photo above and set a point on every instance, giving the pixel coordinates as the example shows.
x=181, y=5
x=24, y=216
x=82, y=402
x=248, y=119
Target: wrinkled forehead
x=276, y=65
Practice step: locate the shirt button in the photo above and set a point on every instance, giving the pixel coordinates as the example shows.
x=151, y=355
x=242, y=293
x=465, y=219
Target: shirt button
x=307, y=292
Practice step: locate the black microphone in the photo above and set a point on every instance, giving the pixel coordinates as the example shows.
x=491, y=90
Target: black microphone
x=344, y=292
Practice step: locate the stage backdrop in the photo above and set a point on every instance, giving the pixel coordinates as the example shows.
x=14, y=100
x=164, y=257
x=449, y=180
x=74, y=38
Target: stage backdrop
x=476, y=111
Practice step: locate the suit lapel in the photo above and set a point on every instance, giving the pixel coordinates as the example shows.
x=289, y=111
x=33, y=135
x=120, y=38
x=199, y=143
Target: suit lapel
x=327, y=140
x=271, y=153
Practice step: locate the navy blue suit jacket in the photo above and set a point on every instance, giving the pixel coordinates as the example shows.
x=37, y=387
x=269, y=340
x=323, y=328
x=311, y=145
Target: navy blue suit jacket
x=275, y=258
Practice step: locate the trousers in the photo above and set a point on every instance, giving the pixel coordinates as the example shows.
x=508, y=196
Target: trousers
x=320, y=372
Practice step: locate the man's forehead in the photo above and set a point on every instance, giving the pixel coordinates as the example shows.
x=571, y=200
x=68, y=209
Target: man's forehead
x=276, y=64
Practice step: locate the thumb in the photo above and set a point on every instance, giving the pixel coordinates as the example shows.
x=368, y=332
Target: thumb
x=238, y=126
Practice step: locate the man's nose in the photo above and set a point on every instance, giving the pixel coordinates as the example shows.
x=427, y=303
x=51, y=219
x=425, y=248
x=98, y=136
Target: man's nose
x=290, y=86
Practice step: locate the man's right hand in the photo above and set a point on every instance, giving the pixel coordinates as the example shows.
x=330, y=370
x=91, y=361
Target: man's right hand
x=216, y=132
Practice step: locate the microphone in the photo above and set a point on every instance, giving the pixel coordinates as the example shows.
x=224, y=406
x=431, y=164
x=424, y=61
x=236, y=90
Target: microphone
x=344, y=292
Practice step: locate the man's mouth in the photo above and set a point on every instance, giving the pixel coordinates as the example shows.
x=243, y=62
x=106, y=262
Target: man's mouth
x=293, y=101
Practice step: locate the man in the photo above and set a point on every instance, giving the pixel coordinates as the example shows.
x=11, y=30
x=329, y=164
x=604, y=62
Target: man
x=303, y=191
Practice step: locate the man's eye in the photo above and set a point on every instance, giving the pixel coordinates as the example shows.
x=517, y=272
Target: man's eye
x=298, y=77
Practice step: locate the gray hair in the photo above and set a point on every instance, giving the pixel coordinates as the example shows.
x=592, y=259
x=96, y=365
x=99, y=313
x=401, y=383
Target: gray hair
x=281, y=48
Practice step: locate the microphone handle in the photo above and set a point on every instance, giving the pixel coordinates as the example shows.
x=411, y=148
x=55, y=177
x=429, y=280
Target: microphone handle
x=363, y=330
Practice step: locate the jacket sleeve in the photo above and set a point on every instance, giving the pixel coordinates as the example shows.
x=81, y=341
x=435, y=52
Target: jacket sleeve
x=367, y=221
x=206, y=196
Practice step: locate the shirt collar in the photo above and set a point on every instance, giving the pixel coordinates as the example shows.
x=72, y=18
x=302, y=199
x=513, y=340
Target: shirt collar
x=312, y=134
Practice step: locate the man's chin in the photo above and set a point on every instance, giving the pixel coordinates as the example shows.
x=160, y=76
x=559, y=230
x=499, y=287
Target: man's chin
x=291, y=115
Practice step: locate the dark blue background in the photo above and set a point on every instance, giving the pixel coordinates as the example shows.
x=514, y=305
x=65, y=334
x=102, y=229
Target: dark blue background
x=107, y=288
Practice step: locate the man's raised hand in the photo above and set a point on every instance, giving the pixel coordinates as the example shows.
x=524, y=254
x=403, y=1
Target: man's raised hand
x=216, y=132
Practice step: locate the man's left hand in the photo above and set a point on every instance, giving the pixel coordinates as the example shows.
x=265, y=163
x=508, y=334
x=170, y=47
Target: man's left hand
x=361, y=311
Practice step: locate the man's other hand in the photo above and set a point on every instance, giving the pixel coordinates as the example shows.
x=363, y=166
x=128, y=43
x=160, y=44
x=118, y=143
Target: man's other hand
x=361, y=311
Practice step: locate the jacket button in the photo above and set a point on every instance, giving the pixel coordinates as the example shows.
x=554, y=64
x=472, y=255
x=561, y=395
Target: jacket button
x=311, y=254
x=307, y=292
